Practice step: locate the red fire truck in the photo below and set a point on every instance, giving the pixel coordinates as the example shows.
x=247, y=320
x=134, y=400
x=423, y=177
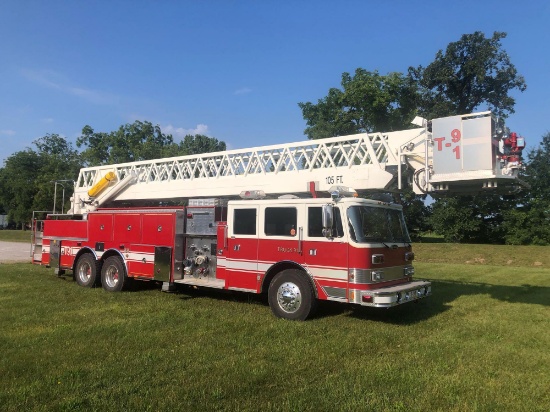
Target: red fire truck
x=282, y=220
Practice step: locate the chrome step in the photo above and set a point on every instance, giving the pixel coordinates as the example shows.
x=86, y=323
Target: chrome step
x=209, y=283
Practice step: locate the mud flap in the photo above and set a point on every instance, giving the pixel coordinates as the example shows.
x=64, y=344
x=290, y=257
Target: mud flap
x=55, y=254
x=163, y=260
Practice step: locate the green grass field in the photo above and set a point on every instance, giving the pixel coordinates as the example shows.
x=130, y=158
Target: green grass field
x=15, y=235
x=493, y=255
x=480, y=343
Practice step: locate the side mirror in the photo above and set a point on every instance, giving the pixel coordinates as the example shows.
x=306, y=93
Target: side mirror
x=328, y=219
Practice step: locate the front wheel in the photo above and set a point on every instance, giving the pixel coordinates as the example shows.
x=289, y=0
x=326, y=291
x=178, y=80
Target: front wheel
x=113, y=274
x=86, y=271
x=291, y=295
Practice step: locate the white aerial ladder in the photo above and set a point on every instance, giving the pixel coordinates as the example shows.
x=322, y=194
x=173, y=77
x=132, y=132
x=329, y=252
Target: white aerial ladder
x=466, y=153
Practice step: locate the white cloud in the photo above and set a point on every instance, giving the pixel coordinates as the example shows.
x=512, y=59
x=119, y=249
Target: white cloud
x=45, y=78
x=243, y=90
x=54, y=80
x=7, y=132
x=93, y=96
x=180, y=132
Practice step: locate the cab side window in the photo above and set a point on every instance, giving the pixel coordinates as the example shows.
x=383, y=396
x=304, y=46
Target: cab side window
x=315, y=222
x=244, y=221
x=280, y=221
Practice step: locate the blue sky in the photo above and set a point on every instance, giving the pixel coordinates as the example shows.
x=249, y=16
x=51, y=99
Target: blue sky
x=234, y=70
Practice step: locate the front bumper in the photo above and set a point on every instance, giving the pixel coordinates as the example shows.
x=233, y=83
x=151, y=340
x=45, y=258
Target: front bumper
x=394, y=295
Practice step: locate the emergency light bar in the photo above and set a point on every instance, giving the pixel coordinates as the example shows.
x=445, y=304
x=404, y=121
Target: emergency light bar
x=342, y=191
x=252, y=194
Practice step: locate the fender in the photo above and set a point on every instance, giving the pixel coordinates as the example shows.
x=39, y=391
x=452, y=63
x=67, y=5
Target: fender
x=112, y=252
x=82, y=251
x=282, y=265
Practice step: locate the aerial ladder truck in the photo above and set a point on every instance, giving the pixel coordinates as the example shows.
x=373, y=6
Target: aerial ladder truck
x=291, y=221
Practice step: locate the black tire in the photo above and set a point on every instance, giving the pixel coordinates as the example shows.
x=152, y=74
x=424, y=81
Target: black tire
x=291, y=295
x=87, y=273
x=113, y=274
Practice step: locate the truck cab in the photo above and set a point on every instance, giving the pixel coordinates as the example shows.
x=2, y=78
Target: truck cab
x=344, y=249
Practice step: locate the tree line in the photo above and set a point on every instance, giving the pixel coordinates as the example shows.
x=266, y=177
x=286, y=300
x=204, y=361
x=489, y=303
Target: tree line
x=472, y=73
x=27, y=179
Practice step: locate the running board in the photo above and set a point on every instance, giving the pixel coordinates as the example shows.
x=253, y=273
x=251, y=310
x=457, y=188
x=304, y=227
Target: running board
x=210, y=283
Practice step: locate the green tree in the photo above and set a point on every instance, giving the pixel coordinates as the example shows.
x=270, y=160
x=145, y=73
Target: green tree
x=472, y=72
x=199, y=143
x=470, y=219
x=131, y=142
x=96, y=146
x=416, y=213
x=140, y=141
x=368, y=102
x=18, y=185
x=529, y=222
x=26, y=180
x=537, y=171
x=60, y=162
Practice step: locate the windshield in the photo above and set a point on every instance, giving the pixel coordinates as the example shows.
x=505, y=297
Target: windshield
x=377, y=224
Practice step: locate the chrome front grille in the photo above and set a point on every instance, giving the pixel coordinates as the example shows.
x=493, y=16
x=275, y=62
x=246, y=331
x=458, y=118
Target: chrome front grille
x=365, y=276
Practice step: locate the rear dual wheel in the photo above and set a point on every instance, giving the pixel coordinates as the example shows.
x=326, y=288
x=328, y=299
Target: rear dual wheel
x=113, y=274
x=87, y=271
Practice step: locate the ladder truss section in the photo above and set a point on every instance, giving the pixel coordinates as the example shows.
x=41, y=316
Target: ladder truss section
x=347, y=160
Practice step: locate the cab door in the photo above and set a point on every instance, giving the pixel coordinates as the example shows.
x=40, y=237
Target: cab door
x=242, y=248
x=281, y=233
x=326, y=258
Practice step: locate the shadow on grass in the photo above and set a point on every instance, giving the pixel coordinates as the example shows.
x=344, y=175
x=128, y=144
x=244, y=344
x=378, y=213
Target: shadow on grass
x=186, y=292
x=528, y=294
x=445, y=292
x=131, y=286
x=141, y=285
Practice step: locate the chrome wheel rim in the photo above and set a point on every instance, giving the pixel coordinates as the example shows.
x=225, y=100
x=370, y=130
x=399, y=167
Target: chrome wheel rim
x=289, y=297
x=84, y=272
x=111, y=276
